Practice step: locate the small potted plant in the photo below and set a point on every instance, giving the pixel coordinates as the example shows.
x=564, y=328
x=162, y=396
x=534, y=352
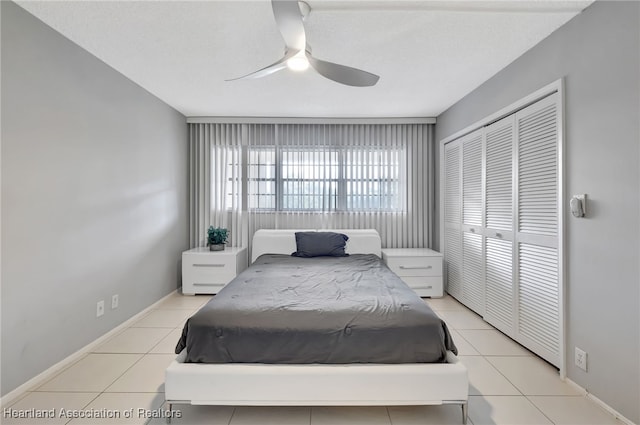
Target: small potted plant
x=217, y=238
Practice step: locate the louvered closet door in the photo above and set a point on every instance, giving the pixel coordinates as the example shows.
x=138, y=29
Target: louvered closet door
x=472, y=222
x=499, y=279
x=537, y=229
x=453, y=218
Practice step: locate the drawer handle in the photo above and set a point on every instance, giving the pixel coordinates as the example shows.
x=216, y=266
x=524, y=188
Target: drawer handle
x=472, y=230
x=208, y=265
x=498, y=235
x=416, y=267
x=208, y=284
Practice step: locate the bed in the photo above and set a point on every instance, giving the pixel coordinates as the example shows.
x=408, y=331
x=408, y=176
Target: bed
x=313, y=364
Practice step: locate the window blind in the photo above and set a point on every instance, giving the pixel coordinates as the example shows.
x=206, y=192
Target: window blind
x=313, y=176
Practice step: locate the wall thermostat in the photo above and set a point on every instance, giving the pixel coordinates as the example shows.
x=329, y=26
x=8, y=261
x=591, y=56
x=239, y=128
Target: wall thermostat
x=578, y=205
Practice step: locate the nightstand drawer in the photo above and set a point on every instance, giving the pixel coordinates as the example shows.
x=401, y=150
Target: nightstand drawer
x=423, y=282
x=416, y=266
x=207, y=288
x=425, y=286
x=211, y=273
x=212, y=261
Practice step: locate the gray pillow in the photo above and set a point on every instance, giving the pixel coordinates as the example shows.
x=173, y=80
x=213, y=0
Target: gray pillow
x=319, y=244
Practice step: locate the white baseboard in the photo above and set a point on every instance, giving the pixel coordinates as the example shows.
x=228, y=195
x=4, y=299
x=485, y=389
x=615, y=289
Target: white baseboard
x=600, y=403
x=67, y=361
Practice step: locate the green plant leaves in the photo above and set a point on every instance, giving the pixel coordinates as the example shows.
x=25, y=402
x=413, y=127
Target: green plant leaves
x=217, y=235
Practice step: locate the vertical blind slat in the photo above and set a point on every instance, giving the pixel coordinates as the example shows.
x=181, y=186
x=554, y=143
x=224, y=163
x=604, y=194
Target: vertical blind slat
x=248, y=177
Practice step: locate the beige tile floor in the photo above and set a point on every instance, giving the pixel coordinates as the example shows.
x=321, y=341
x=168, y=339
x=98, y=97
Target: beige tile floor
x=508, y=385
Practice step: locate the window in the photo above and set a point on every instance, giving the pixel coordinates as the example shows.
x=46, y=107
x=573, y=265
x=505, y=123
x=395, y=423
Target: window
x=232, y=173
x=309, y=180
x=372, y=179
x=326, y=179
x=250, y=176
x=262, y=179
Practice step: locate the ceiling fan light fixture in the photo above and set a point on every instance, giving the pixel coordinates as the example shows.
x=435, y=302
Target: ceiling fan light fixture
x=298, y=57
x=298, y=63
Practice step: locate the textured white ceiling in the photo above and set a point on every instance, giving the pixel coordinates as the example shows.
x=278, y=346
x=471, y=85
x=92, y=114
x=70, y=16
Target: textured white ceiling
x=429, y=54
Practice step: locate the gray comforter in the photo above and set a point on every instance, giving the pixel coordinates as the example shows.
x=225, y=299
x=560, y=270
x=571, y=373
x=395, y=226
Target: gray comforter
x=334, y=310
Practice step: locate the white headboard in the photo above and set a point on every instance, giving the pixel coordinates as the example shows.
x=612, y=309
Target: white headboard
x=283, y=241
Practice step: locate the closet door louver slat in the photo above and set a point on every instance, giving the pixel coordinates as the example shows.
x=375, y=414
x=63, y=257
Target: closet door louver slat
x=499, y=292
x=499, y=285
x=473, y=274
x=499, y=191
x=453, y=259
x=452, y=184
x=452, y=219
x=538, y=299
x=538, y=307
x=472, y=180
x=538, y=171
x=472, y=220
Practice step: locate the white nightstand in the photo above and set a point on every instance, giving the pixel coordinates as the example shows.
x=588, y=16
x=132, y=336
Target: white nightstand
x=420, y=268
x=206, y=272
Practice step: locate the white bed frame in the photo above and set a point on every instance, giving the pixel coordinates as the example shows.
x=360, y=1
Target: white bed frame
x=242, y=384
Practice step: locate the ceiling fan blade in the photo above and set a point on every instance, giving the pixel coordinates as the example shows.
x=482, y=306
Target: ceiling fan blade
x=268, y=70
x=343, y=74
x=289, y=21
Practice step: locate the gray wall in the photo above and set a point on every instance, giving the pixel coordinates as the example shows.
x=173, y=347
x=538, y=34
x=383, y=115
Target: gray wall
x=598, y=55
x=94, y=196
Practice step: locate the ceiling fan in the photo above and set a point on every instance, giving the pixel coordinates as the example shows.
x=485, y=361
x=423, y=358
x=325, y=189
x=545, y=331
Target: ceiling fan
x=297, y=55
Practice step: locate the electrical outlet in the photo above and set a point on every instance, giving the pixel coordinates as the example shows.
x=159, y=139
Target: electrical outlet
x=581, y=359
x=100, y=308
x=114, y=302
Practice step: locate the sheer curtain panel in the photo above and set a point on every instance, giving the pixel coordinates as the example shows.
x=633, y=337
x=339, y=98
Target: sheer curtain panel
x=215, y=195
x=314, y=176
